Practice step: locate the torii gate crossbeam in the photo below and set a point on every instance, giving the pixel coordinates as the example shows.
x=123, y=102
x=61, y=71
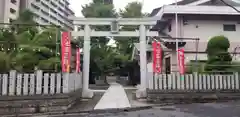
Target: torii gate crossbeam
x=87, y=33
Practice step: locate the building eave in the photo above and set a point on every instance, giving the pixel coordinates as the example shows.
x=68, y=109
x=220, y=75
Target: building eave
x=187, y=9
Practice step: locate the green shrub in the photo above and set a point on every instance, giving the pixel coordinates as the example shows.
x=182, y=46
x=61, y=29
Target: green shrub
x=219, y=59
x=4, y=62
x=192, y=67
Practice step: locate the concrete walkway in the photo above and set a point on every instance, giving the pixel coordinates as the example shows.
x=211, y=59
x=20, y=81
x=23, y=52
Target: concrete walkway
x=114, y=97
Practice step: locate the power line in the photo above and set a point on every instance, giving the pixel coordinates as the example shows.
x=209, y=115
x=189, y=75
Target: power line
x=230, y=6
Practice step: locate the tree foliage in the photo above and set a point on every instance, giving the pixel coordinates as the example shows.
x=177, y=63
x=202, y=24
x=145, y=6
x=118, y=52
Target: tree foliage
x=219, y=59
x=25, y=22
x=132, y=10
x=101, y=54
x=26, y=48
x=4, y=62
x=110, y=58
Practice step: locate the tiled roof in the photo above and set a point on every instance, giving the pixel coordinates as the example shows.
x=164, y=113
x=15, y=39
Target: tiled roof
x=210, y=3
x=219, y=3
x=154, y=12
x=183, y=2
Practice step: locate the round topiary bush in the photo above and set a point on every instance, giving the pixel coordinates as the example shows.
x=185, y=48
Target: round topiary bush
x=219, y=59
x=220, y=43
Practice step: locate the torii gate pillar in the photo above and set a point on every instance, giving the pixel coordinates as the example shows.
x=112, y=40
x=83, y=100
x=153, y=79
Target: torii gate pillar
x=87, y=33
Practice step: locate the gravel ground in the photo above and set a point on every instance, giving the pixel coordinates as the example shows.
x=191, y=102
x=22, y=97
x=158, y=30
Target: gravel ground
x=230, y=109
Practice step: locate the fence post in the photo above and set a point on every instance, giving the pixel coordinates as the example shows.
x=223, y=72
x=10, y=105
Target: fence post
x=195, y=78
x=178, y=81
x=59, y=81
x=45, y=83
x=150, y=80
x=77, y=80
x=65, y=82
x=52, y=83
x=182, y=79
x=5, y=84
x=39, y=82
x=174, y=81
x=25, y=84
x=71, y=81
x=19, y=84
x=237, y=80
x=12, y=82
x=32, y=84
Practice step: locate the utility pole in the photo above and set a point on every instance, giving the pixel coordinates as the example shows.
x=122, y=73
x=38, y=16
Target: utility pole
x=176, y=31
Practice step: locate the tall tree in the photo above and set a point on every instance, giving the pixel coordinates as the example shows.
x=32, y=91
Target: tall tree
x=97, y=9
x=100, y=53
x=25, y=22
x=36, y=51
x=132, y=10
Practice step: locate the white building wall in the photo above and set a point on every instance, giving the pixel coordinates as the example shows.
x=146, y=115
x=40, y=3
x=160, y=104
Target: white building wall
x=193, y=56
x=50, y=11
x=204, y=30
x=207, y=29
x=5, y=14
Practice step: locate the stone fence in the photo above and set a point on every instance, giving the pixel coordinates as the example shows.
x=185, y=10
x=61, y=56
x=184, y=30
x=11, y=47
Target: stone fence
x=38, y=91
x=193, y=86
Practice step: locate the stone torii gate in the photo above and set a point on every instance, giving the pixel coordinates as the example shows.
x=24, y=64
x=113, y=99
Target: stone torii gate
x=87, y=33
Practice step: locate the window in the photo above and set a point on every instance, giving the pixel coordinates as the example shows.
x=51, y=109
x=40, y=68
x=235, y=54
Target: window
x=52, y=10
x=14, y=1
x=44, y=20
x=229, y=27
x=44, y=12
x=13, y=11
x=54, y=4
x=35, y=7
x=45, y=5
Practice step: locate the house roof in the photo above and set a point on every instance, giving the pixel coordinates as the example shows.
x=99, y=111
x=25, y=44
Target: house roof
x=160, y=25
x=220, y=3
x=155, y=11
x=199, y=9
x=183, y=2
x=205, y=3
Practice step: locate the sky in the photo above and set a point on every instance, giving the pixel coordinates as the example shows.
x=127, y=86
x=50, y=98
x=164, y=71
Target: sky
x=148, y=5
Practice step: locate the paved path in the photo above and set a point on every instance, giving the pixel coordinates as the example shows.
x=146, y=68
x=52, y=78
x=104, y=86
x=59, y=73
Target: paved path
x=114, y=97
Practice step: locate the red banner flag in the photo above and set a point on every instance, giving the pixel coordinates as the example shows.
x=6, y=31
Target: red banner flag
x=181, y=61
x=157, y=57
x=66, y=51
x=78, y=60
